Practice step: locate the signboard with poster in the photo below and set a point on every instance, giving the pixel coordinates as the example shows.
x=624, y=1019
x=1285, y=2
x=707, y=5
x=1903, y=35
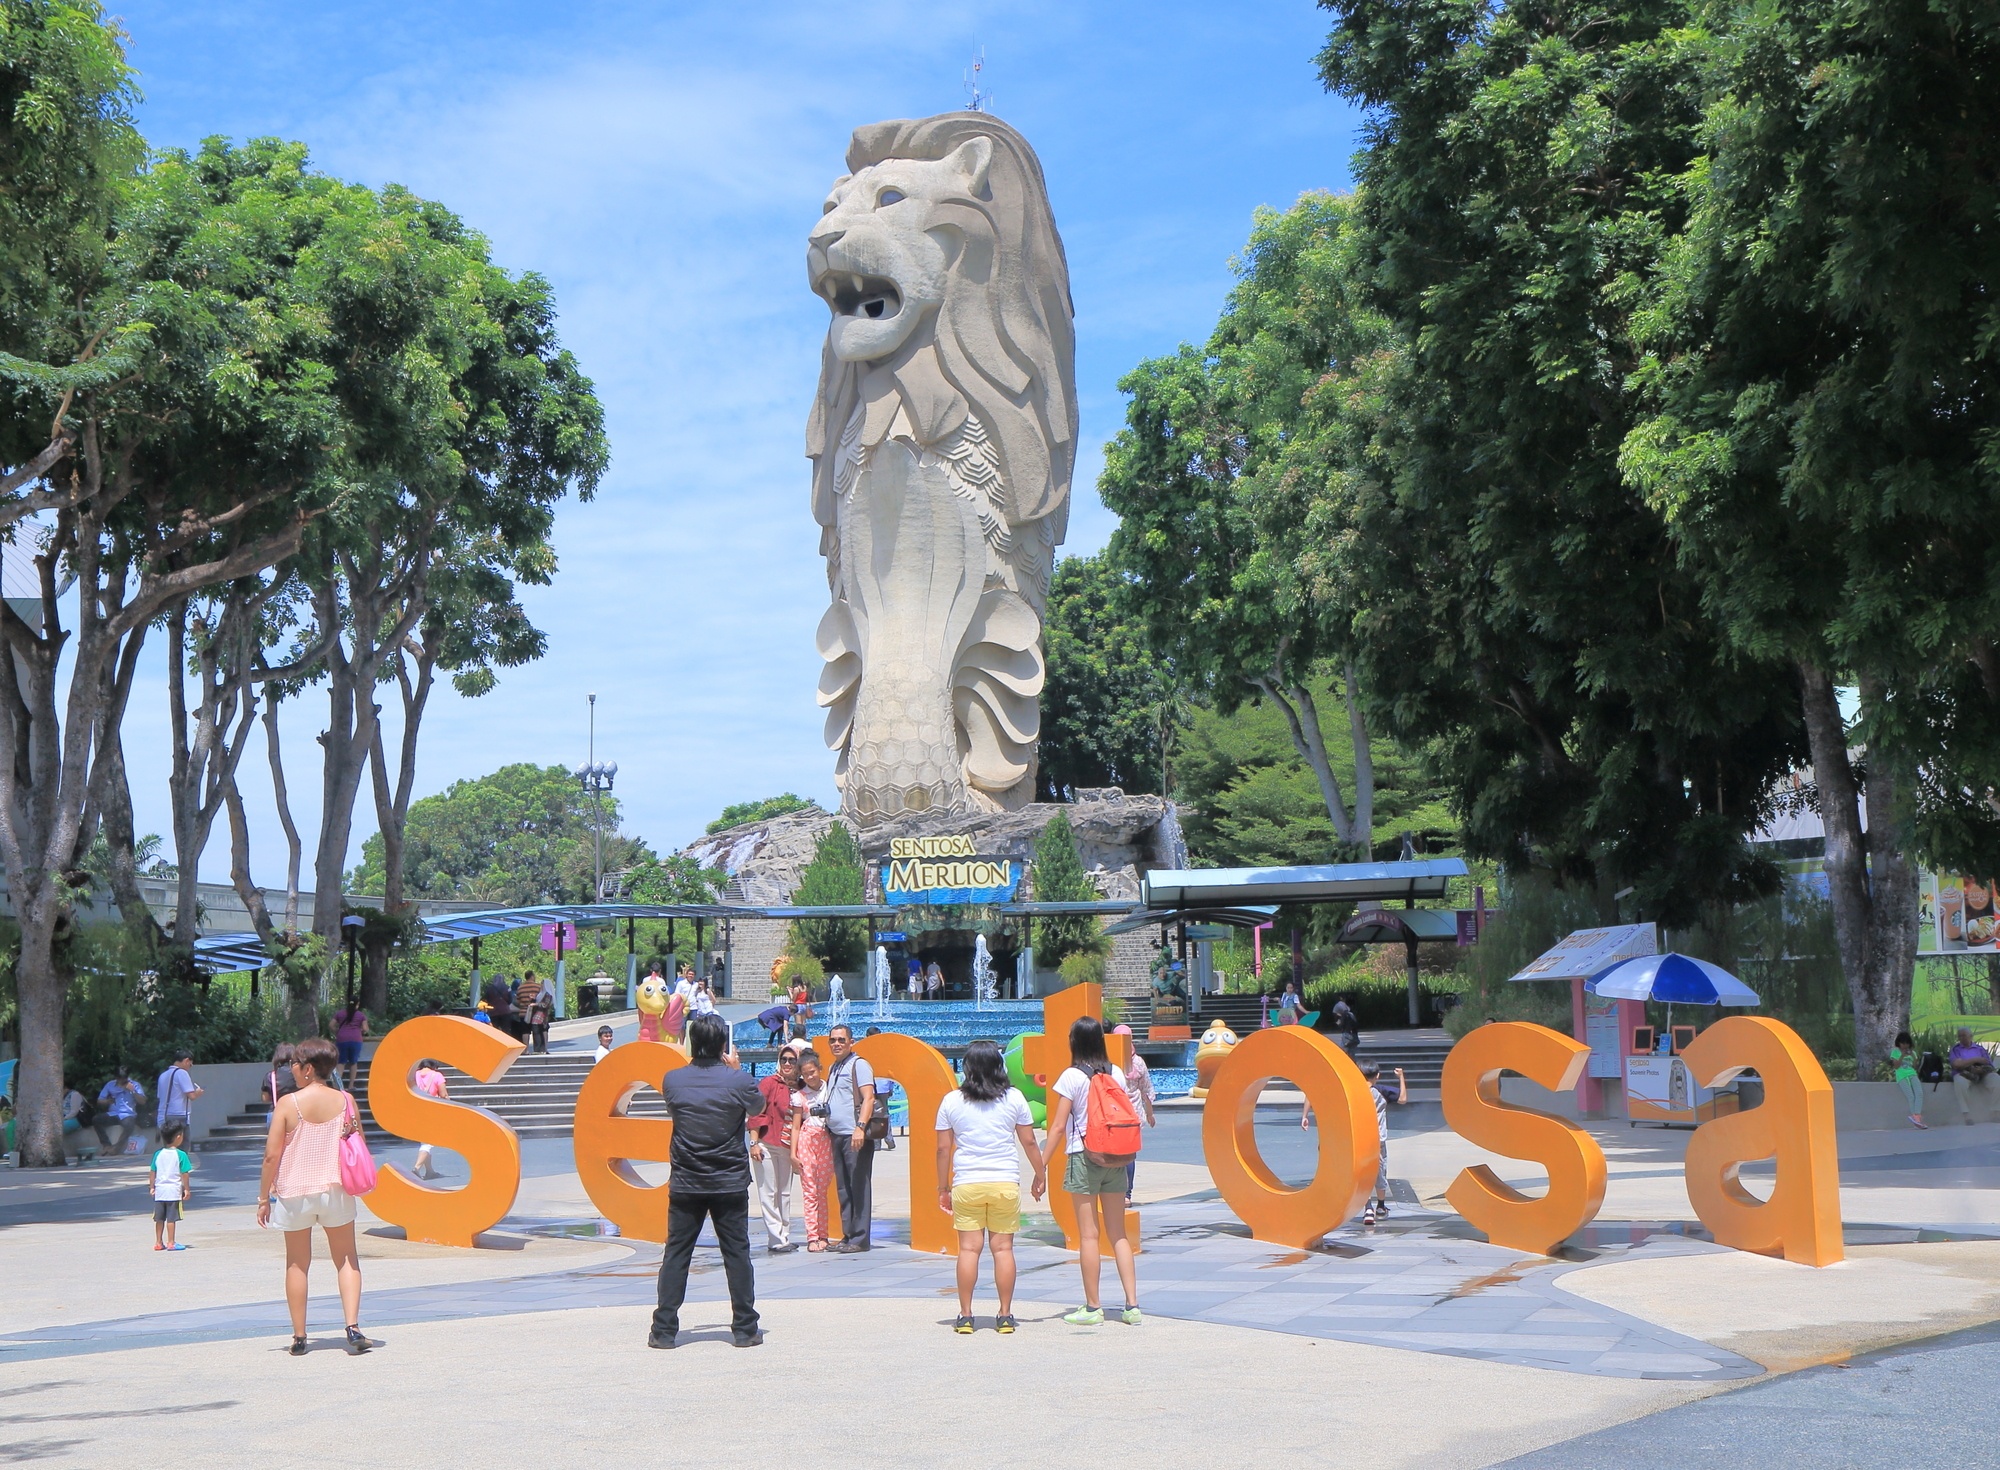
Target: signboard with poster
x=1587, y=951
x=1602, y=1028
x=1962, y=914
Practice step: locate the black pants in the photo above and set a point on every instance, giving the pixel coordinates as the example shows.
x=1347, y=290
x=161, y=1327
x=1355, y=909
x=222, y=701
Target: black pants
x=853, y=1178
x=731, y=1214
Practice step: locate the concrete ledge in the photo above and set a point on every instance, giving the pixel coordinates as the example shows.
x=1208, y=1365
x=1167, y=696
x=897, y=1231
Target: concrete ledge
x=1859, y=1107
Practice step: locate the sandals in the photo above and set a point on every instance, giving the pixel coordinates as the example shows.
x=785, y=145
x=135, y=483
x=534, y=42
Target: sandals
x=815, y=1246
x=357, y=1341
x=298, y=1347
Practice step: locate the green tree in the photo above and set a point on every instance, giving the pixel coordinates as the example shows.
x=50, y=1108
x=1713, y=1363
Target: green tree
x=520, y=836
x=1057, y=876
x=675, y=878
x=742, y=812
x=1109, y=709
x=1821, y=433
x=1212, y=576
x=1247, y=800
x=833, y=879
x=1518, y=616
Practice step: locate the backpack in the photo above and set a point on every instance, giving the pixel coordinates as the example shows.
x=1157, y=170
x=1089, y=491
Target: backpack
x=1111, y=1123
x=1931, y=1069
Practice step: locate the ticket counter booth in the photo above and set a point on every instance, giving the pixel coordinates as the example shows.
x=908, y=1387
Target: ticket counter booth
x=1660, y=1089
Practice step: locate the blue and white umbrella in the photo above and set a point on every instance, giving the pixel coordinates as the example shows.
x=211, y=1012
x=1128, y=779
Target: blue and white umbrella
x=1676, y=979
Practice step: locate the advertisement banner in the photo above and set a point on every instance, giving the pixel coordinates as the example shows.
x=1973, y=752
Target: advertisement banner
x=1960, y=914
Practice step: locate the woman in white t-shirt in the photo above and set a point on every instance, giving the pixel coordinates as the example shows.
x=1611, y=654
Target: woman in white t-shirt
x=1097, y=1189
x=981, y=1130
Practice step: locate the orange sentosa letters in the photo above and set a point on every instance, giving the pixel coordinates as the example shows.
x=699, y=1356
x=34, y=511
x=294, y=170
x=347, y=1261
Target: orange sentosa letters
x=1045, y=1056
x=1473, y=1109
x=1795, y=1126
x=1349, y=1151
x=491, y=1149
x=926, y=1077
x=606, y=1139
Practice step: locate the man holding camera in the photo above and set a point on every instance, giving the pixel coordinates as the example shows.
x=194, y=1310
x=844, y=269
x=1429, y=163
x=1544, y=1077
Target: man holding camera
x=711, y=1103
x=854, y=1128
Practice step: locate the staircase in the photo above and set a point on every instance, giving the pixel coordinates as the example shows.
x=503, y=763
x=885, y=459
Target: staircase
x=1419, y=1053
x=536, y=1097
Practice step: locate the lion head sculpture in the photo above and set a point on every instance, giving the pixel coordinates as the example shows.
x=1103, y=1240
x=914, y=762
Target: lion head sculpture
x=943, y=439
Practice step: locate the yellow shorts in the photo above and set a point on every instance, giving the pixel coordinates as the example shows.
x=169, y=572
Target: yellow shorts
x=993, y=1206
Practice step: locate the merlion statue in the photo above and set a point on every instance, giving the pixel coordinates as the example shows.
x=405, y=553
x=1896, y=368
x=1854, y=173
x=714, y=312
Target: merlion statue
x=942, y=441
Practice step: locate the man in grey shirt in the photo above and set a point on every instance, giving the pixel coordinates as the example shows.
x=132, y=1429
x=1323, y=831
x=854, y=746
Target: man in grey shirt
x=851, y=1103
x=177, y=1092
x=711, y=1102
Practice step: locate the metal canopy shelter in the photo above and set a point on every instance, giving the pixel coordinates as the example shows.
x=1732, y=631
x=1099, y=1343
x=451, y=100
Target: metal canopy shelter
x=1241, y=918
x=1329, y=883
x=223, y=953
x=1402, y=926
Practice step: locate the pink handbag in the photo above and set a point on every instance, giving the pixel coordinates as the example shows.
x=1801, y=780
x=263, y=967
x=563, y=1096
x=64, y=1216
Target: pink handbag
x=357, y=1165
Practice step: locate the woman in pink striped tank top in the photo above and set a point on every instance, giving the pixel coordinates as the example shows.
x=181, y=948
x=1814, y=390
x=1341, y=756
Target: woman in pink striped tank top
x=300, y=1187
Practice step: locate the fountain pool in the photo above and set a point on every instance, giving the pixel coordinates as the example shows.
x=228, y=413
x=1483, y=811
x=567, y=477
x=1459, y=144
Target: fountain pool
x=945, y=1023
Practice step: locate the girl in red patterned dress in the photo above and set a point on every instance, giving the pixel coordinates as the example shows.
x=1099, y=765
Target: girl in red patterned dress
x=811, y=1147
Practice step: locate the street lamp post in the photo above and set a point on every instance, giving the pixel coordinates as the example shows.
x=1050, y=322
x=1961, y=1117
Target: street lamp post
x=350, y=930
x=596, y=780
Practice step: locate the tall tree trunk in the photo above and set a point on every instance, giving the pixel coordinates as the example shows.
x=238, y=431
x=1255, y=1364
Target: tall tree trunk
x=1871, y=874
x=1302, y=718
x=392, y=810
x=1364, y=766
x=114, y=805
x=294, y=848
x=182, y=780
x=41, y=989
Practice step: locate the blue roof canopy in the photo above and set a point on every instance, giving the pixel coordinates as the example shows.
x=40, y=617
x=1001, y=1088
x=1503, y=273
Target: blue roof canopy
x=1213, y=888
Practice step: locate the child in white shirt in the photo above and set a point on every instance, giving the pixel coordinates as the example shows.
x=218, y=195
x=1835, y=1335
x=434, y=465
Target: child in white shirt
x=168, y=1181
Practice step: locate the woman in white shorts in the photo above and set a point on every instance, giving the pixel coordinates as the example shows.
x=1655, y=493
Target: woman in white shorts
x=300, y=1186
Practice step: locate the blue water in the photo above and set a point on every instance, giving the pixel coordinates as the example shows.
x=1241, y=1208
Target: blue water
x=940, y=1022
x=953, y=1023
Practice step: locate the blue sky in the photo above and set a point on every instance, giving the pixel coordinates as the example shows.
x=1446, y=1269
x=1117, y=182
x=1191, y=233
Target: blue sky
x=661, y=165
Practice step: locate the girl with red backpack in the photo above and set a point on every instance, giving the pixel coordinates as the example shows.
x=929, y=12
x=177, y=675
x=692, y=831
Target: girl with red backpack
x=1092, y=1120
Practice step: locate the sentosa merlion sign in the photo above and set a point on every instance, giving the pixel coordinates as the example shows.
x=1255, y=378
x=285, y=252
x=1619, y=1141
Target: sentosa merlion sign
x=942, y=441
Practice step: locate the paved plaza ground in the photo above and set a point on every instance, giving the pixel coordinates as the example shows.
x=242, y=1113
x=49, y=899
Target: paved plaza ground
x=1416, y=1344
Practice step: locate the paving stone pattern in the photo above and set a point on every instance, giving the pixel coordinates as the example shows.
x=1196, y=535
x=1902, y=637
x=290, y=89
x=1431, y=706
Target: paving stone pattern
x=1414, y=1284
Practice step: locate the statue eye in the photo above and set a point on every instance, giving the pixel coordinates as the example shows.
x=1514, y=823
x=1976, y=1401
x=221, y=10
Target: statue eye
x=888, y=196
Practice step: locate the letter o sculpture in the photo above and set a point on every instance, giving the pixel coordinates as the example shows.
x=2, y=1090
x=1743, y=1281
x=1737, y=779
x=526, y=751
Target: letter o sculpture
x=1349, y=1150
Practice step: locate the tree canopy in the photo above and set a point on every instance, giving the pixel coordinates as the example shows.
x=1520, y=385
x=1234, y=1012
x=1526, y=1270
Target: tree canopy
x=835, y=878
x=1110, y=711
x=739, y=813
x=522, y=835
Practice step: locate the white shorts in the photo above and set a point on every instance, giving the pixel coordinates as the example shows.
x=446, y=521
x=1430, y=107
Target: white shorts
x=329, y=1209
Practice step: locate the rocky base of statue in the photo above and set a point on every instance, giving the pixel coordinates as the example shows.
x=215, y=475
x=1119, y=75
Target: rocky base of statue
x=1118, y=837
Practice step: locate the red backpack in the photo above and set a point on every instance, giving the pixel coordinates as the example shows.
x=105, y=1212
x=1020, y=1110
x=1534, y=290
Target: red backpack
x=1110, y=1123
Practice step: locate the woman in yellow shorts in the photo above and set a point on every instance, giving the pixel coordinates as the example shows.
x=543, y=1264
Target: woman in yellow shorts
x=982, y=1129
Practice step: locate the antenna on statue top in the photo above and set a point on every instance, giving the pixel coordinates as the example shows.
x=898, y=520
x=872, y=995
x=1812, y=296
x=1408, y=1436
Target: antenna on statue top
x=981, y=101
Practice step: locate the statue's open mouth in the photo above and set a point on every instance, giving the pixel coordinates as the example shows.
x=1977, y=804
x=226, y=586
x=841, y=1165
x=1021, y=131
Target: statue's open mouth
x=849, y=294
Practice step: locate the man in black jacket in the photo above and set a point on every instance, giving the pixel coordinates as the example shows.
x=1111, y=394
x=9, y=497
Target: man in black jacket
x=711, y=1103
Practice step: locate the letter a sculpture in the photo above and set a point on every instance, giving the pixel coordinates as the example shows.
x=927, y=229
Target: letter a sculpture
x=942, y=442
